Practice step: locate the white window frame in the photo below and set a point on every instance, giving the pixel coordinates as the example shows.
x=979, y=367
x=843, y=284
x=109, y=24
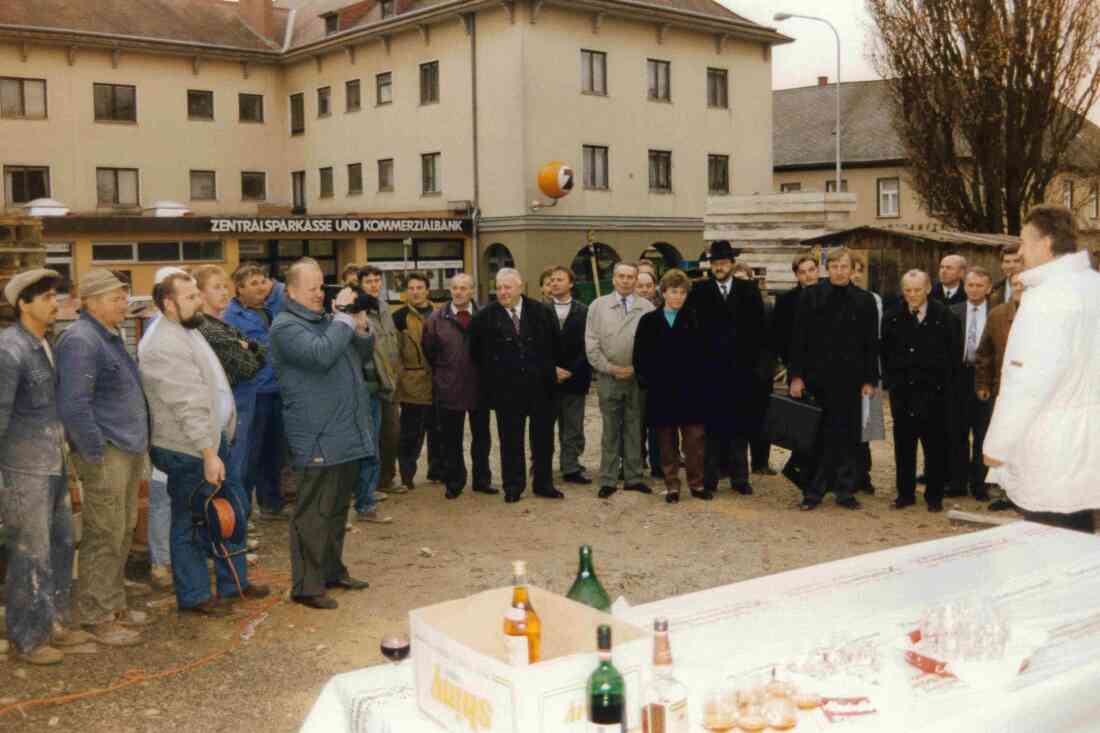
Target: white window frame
x=588, y=72
x=884, y=198
x=589, y=155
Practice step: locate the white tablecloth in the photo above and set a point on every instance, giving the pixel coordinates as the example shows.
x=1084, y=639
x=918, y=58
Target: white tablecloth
x=1048, y=579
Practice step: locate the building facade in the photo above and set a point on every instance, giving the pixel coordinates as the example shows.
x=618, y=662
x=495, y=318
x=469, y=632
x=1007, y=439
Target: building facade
x=432, y=116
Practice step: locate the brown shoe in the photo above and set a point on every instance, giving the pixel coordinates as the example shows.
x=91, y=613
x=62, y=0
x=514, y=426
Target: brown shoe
x=110, y=633
x=41, y=655
x=251, y=593
x=210, y=607
x=62, y=637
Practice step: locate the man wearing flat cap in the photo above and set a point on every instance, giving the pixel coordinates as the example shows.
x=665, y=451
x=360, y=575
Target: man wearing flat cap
x=731, y=312
x=34, y=501
x=102, y=406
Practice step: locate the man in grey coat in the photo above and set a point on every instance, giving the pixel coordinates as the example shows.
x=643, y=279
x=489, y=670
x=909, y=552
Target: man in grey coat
x=319, y=363
x=609, y=343
x=386, y=340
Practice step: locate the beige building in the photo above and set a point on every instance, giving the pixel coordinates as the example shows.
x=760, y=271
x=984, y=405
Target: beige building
x=874, y=163
x=414, y=129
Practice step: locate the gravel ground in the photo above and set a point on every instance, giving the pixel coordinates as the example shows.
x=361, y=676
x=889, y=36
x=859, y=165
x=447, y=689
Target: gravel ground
x=644, y=550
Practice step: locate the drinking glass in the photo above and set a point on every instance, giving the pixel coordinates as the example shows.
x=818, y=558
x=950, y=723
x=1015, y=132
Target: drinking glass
x=395, y=646
x=719, y=708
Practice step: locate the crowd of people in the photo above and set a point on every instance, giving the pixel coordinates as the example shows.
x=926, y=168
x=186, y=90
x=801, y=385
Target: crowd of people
x=227, y=385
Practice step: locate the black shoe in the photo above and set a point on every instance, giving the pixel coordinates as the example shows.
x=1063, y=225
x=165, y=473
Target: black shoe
x=639, y=487
x=790, y=474
x=954, y=493
x=672, y=497
x=549, y=493
x=903, y=503
x=320, y=602
x=486, y=490
x=453, y=493
x=744, y=489
x=765, y=471
x=704, y=494
x=1001, y=505
x=849, y=502
x=606, y=491
x=510, y=498
x=435, y=478
x=808, y=505
x=576, y=478
x=935, y=507
x=348, y=583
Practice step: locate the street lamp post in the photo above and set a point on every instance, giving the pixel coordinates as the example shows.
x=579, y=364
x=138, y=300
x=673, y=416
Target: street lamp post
x=779, y=17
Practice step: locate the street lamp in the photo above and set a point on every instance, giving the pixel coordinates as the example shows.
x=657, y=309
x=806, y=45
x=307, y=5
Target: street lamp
x=780, y=17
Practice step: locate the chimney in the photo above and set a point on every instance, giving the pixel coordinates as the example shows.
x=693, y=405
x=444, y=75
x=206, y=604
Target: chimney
x=259, y=15
x=823, y=81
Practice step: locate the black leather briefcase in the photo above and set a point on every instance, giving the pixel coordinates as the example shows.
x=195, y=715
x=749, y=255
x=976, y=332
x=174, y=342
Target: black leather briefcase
x=792, y=424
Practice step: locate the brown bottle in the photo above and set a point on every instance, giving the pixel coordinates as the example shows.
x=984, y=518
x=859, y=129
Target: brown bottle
x=521, y=600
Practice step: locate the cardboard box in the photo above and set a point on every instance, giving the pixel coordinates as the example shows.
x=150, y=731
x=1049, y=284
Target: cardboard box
x=465, y=684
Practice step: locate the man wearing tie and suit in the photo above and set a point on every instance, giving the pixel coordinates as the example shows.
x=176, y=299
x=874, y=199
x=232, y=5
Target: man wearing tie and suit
x=514, y=343
x=971, y=413
x=949, y=289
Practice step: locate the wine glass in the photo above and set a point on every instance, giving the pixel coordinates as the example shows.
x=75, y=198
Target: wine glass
x=395, y=646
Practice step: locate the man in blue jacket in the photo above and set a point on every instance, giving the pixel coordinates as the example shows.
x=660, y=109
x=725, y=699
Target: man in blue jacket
x=257, y=453
x=319, y=364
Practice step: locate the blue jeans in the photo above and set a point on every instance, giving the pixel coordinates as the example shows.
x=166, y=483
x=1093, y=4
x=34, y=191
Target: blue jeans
x=257, y=452
x=190, y=544
x=39, y=520
x=370, y=470
x=160, y=520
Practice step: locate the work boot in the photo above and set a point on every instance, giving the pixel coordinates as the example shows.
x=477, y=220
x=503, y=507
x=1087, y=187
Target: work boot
x=110, y=633
x=62, y=637
x=41, y=655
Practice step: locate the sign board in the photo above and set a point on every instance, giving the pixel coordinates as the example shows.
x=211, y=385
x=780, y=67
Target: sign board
x=338, y=225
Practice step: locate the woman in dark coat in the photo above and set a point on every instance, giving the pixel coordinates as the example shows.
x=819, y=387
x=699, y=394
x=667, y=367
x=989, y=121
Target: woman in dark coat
x=668, y=348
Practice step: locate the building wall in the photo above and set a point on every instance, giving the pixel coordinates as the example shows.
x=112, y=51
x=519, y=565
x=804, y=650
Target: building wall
x=863, y=183
x=163, y=144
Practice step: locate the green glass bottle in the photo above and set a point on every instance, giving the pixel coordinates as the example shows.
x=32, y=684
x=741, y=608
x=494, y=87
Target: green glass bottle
x=606, y=690
x=586, y=588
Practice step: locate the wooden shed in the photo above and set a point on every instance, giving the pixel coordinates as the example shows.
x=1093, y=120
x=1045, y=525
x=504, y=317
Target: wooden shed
x=887, y=254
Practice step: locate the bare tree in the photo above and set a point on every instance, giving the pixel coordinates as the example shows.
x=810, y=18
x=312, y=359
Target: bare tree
x=989, y=97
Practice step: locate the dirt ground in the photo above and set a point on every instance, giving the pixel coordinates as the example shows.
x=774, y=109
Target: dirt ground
x=199, y=675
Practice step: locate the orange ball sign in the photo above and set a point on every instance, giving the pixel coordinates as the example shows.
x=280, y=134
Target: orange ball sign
x=556, y=179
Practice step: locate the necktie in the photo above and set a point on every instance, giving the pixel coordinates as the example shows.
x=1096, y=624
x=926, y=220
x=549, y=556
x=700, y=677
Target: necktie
x=515, y=319
x=463, y=318
x=724, y=287
x=625, y=309
x=972, y=336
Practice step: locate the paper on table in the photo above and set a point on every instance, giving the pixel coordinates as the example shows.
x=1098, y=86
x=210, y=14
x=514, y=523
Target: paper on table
x=1022, y=644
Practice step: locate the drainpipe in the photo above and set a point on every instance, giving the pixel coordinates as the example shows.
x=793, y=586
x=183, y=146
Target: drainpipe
x=472, y=20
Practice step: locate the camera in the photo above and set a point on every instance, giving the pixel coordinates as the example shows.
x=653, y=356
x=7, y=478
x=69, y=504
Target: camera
x=362, y=302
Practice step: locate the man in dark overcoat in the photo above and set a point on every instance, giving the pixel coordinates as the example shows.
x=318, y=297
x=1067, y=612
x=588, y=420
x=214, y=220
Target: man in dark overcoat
x=834, y=357
x=730, y=313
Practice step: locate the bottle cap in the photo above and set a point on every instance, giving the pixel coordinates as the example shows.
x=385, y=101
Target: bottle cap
x=515, y=614
x=519, y=567
x=603, y=637
x=660, y=624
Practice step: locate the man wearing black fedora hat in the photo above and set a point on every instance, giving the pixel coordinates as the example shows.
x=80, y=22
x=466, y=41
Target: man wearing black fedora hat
x=731, y=314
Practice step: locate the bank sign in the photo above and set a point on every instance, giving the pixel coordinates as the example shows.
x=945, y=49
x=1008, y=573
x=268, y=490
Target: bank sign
x=338, y=225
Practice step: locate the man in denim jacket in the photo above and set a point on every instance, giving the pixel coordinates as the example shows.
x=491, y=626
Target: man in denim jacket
x=34, y=501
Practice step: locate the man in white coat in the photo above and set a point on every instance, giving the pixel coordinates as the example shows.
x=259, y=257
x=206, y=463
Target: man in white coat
x=1043, y=436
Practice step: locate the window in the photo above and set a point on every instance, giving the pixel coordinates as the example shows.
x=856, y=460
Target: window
x=352, y=99
x=385, y=174
x=253, y=186
x=175, y=251
x=203, y=186
x=25, y=98
x=429, y=168
x=326, y=183
x=660, y=171
x=116, y=186
x=113, y=253
x=889, y=191
x=1067, y=194
x=830, y=185
x=158, y=251
x=790, y=187
x=594, y=72
x=718, y=93
x=718, y=174
x=387, y=8
x=251, y=107
x=384, y=88
x=324, y=101
x=332, y=23
x=595, y=166
x=658, y=76
x=297, y=114
x=211, y=250
x=355, y=178
x=429, y=82
x=298, y=191
x=25, y=183
x=200, y=104
x=115, y=103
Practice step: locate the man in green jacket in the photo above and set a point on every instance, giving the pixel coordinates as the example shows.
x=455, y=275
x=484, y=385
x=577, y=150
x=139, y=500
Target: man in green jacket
x=414, y=386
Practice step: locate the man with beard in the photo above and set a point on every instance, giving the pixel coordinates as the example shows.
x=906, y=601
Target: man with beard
x=730, y=313
x=193, y=419
x=834, y=357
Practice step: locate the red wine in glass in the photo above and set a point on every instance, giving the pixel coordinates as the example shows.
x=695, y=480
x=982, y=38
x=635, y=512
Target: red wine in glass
x=395, y=647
